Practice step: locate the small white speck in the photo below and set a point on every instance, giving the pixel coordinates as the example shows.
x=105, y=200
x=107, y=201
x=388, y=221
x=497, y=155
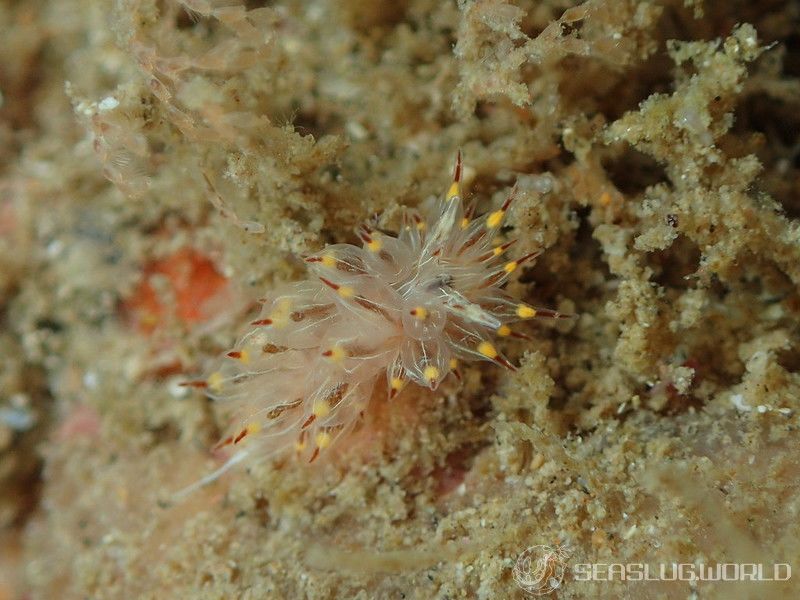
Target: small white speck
x=20, y=400
x=54, y=248
x=253, y=227
x=176, y=390
x=108, y=103
x=90, y=380
x=738, y=401
x=18, y=419
x=356, y=130
x=762, y=408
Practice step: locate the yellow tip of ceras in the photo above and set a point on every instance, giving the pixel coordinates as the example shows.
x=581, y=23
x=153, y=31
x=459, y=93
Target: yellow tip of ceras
x=454, y=191
x=431, y=373
x=321, y=409
x=328, y=260
x=323, y=439
x=375, y=244
x=487, y=349
x=346, y=291
x=215, y=380
x=495, y=218
x=280, y=316
x=335, y=354
x=504, y=331
x=525, y=312
x=420, y=312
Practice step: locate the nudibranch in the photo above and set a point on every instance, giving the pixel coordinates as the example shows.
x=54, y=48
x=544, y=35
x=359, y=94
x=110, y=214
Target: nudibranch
x=403, y=308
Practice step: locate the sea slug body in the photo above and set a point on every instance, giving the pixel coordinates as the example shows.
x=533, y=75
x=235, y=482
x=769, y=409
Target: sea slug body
x=402, y=308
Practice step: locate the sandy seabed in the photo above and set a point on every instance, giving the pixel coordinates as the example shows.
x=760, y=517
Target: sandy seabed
x=164, y=164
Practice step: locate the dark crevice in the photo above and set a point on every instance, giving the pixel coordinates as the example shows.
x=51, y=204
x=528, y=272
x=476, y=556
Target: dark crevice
x=674, y=265
x=632, y=172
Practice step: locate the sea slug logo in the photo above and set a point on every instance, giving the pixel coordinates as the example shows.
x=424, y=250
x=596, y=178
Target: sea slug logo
x=540, y=569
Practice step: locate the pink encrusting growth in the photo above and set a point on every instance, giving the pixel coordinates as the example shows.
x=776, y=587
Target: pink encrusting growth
x=402, y=308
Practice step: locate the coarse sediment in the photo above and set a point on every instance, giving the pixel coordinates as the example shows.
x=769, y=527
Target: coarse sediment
x=163, y=164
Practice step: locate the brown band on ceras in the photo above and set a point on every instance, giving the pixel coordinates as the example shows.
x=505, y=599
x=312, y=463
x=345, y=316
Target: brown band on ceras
x=370, y=305
x=197, y=383
x=492, y=279
x=342, y=265
x=470, y=212
x=552, y=314
x=242, y=377
x=472, y=241
x=226, y=442
x=504, y=363
x=311, y=311
x=457, y=169
x=337, y=394
x=386, y=257
x=279, y=410
x=271, y=348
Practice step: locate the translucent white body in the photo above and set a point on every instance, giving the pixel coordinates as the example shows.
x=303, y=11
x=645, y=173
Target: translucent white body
x=405, y=307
